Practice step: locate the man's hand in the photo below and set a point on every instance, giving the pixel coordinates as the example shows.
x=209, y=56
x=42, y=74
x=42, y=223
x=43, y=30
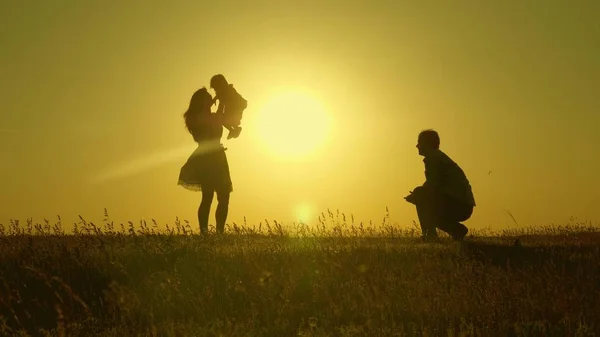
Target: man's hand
x=413, y=197
x=410, y=198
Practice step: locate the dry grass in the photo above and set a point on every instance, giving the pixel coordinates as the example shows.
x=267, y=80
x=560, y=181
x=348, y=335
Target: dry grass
x=333, y=279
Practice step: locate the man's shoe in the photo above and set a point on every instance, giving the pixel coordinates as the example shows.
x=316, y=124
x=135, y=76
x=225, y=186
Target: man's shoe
x=462, y=233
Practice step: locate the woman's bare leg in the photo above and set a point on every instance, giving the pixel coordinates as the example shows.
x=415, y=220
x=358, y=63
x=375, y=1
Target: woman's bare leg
x=222, y=210
x=204, y=209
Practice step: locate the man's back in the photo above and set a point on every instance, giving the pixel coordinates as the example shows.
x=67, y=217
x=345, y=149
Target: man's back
x=443, y=173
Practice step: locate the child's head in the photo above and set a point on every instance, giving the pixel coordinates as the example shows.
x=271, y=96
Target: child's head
x=218, y=83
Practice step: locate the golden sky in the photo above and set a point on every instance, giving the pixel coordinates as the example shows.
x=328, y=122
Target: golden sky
x=93, y=92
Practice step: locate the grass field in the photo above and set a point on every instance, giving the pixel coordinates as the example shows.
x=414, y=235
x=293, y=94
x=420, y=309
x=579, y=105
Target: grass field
x=333, y=279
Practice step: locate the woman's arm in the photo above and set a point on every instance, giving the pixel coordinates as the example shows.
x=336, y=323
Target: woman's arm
x=220, y=106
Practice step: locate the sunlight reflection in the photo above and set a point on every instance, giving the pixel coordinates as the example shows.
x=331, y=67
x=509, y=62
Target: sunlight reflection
x=151, y=161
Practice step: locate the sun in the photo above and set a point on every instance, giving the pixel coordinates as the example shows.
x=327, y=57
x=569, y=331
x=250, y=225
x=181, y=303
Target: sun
x=292, y=124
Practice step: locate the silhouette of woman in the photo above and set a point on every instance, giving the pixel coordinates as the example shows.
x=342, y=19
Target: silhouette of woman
x=207, y=169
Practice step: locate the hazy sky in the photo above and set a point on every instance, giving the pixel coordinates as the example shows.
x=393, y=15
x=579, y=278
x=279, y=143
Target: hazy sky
x=93, y=92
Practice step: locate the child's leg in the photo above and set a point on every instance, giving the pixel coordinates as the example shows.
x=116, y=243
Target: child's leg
x=237, y=119
x=233, y=121
x=236, y=132
x=229, y=121
x=226, y=122
x=232, y=131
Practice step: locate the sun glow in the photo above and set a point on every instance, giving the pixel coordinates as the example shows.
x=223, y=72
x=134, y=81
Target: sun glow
x=304, y=213
x=292, y=124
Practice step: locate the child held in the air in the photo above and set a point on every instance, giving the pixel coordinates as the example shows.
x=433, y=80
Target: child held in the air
x=231, y=105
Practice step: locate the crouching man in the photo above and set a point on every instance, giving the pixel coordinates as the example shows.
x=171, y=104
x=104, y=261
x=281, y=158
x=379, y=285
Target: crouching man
x=446, y=198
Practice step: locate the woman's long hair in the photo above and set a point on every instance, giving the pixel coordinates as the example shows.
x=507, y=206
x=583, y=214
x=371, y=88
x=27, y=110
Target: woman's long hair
x=200, y=103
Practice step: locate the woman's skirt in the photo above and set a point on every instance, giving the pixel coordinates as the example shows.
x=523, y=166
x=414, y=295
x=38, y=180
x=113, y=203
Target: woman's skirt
x=206, y=169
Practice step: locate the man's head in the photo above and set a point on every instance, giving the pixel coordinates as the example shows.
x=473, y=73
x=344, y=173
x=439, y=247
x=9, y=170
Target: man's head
x=429, y=141
x=218, y=83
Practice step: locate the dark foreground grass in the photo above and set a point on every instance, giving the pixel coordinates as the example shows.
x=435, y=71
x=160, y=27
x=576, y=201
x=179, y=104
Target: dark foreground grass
x=345, y=281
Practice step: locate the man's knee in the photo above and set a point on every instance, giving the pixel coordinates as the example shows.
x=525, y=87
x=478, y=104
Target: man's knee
x=428, y=198
x=442, y=207
x=463, y=212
